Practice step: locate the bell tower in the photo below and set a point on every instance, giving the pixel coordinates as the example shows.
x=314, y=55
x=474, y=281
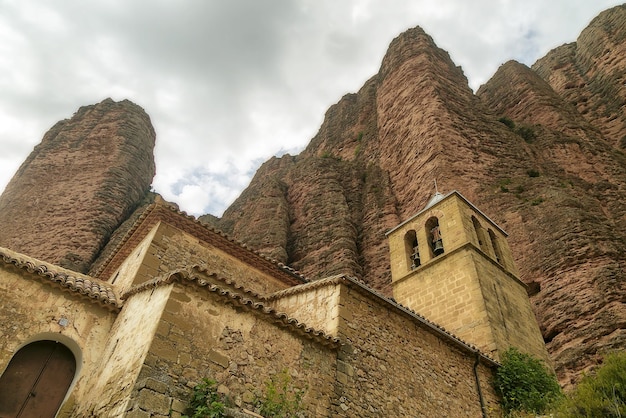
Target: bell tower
x=452, y=264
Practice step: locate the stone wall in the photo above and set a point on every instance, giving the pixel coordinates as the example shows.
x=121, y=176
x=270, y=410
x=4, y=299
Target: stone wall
x=392, y=365
x=31, y=311
x=510, y=313
x=166, y=249
x=448, y=293
x=184, y=249
x=316, y=304
x=201, y=335
x=124, y=353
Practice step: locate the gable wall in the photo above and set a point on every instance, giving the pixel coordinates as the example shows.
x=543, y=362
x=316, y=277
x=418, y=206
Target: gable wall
x=31, y=310
x=199, y=335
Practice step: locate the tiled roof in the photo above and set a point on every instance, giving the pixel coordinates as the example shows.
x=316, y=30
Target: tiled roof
x=368, y=291
x=164, y=212
x=79, y=285
x=246, y=299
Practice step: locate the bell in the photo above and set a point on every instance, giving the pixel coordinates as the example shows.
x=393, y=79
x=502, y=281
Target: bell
x=438, y=247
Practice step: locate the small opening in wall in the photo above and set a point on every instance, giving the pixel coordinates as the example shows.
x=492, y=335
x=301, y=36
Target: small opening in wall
x=412, y=249
x=434, y=235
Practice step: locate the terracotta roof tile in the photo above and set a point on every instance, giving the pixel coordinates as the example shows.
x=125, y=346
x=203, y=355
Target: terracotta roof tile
x=82, y=286
x=246, y=299
x=161, y=211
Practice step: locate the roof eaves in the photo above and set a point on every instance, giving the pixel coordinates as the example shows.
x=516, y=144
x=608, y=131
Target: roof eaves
x=83, y=286
x=280, y=318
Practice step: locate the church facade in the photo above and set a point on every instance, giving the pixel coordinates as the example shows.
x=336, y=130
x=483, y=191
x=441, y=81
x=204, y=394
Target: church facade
x=177, y=302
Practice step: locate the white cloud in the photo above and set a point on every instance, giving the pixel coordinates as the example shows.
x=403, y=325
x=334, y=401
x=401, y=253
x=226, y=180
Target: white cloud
x=229, y=84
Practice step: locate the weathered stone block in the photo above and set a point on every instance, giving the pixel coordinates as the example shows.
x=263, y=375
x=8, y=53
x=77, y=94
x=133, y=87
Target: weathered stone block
x=155, y=402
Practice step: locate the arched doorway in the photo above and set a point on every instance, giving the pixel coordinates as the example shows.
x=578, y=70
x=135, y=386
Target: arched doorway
x=36, y=380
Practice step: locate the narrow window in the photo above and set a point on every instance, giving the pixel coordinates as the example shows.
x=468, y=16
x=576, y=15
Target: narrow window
x=412, y=250
x=434, y=235
x=480, y=234
x=496, y=246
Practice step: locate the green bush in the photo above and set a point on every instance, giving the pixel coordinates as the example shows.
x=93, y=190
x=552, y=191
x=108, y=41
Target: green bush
x=532, y=173
x=524, y=384
x=280, y=400
x=508, y=122
x=205, y=401
x=602, y=394
x=527, y=133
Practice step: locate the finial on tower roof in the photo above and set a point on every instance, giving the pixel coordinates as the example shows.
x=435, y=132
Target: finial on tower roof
x=436, y=198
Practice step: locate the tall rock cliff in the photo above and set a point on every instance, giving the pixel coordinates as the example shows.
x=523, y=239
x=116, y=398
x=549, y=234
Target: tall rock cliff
x=539, y=150
x=79, y=184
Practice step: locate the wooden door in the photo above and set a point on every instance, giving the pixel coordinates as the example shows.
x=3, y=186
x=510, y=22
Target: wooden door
x=36, y=380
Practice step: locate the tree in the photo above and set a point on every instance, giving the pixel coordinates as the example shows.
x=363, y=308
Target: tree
x=525, y=384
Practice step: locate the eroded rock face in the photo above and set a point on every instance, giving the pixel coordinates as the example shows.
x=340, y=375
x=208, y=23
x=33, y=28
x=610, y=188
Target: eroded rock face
x=77, y=186
x=540, y=150
x=540, y=155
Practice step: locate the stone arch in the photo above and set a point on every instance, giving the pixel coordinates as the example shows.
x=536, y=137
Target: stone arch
x=433, y=233
x=39, y=376
x=412, y=249
x=480, y=235
x=496, y=246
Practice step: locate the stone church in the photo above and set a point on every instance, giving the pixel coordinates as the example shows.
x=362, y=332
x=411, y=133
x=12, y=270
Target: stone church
x=177, y=301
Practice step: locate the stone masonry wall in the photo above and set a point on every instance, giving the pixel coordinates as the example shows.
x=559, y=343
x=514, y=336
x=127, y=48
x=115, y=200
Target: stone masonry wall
x=200, y=335
x=391, y=366
x=167, y=248
x=510, y=313
x=456, y=228
x=139, y=266
x=448, y=293
x=124, y=354
x=31, y=311
x=184, y=249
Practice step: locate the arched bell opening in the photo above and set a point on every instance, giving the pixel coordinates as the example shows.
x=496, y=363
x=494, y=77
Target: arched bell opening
x=434, y=236
x=412, y=250
x=496, y=246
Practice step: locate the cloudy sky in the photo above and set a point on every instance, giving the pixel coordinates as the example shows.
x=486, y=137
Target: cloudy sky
x=230, y=83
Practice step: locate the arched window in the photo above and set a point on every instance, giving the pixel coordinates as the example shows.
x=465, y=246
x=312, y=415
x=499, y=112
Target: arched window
x=496, y=246
x=412, y=250
x=36, y=380
x=480, y=234
x=434, y=236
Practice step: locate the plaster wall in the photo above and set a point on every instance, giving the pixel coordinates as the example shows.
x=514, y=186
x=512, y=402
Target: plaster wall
x=31, y=310
x=124, y=354
x=316, y=305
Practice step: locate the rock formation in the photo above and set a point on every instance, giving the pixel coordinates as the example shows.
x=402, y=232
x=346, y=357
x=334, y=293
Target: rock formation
x=76, y=187
x=539, y=150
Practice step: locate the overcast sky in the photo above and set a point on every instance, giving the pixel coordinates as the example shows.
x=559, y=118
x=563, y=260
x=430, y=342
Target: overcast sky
x=230, y=83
